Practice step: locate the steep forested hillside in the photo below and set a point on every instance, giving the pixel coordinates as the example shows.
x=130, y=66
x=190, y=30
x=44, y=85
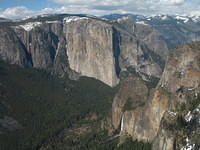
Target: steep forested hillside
x=40, y=112
x=34, y=105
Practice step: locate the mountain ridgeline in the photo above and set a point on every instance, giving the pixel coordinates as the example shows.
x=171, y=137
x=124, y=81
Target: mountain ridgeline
x=78, y=46
x=111, y=83
x=173, y=30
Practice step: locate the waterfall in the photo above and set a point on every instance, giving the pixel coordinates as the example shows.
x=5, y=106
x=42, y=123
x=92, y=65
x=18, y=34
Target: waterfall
x=133, y=28
x=122, y=124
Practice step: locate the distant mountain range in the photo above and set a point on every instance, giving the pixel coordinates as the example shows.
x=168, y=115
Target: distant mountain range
x=4, y=20
x=175, y=30
x=152, y=18
x=137, y=41
x=76, y=44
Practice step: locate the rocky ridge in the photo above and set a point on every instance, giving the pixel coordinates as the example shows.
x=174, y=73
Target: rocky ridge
x=78, y=45
x=174, y=30
x=146, y=33
x=165, y=118
x=89, y=46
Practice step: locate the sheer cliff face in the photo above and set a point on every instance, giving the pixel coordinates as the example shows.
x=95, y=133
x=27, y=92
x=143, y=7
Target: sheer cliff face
x=11, y=48
x=76, y=45
x=136, y=55
x=146, y=33
x=182, y=73
x=128, y=97
x=98, y=49
x=141, y=122
x=40, y=42
x=90, y=49
x=179, y=84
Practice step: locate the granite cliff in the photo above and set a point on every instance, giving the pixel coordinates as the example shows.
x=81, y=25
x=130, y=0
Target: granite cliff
x=168, y=116
x=146, y=33
x=125, y=52
x=173, y=30
x=77, y=45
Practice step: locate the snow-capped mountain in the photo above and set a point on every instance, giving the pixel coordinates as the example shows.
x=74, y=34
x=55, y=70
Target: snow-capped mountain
x=150, y=18
x=174, y=30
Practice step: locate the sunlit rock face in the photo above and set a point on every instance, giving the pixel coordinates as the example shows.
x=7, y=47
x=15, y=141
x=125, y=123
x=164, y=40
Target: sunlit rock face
x=11, y=49
x=101, y=50
x=77, y=46
x=143, y=122
x=178, y=86
x=90, y=49
x=182, y=72
x=133, y=93
x=146, y=33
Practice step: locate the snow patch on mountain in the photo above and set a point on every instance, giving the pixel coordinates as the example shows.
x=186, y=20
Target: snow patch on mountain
x=74, y=19
x=194, y=115
x=195, y=18
x=188, y=145
x=51, y=22
x=183, y=18
x=29, y=26
x=188, y=117
x=164, y=17
x=142, y=22
x=123, y=18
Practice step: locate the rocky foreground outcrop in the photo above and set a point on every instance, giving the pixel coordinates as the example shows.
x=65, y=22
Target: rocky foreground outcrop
x=76, y=45
x=163, y=119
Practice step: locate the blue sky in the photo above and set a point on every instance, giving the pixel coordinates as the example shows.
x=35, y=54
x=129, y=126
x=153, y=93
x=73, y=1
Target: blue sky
x=31, y=4
x=23, y=8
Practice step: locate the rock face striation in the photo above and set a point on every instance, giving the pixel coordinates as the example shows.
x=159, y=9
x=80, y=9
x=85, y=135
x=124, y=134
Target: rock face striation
x=11, y=48
x=91, y=49
x=158, y=120
x=173, y=30
x=146, y=33
x=77, y=45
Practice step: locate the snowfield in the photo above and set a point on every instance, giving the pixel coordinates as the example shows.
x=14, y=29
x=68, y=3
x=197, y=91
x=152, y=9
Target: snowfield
x=29, y=26
x=73, y=19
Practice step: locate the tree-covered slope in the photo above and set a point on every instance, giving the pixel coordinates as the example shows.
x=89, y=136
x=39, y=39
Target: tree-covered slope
x=35, y=106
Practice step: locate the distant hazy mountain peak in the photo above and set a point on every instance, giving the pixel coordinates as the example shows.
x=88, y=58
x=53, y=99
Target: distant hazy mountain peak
x=37, y=16
x=159, y=18
x=4, y=19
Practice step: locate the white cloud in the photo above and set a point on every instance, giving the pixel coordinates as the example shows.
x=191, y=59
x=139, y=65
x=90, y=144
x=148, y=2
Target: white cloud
x=100, y=7
x=194, y=13
x=117, y=2
x=23, y=12
x=137, y=6
x=14, y=12
x=173, y=2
